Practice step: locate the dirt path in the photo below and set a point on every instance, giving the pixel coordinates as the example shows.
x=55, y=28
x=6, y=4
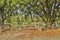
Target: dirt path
x=53, y=34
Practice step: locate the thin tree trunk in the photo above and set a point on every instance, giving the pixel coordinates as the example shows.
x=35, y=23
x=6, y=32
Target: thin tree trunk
x=1, y=16
x=1, y=20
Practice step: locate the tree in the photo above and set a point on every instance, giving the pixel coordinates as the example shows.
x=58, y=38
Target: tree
x=49, y=8
x=45, y=9
x=6, y=9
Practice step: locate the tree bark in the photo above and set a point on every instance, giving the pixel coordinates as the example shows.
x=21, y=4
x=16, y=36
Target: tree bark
x=1, y=17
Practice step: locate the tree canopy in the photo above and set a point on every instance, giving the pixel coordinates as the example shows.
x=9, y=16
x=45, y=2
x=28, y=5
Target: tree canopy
x=47, y=10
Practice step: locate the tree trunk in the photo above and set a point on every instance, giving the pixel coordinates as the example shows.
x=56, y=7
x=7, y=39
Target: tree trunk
x=1, y=19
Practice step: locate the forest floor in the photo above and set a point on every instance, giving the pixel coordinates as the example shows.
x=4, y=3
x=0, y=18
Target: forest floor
x=49, y=34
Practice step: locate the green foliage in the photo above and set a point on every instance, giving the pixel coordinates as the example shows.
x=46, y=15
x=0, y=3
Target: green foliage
x=44, y=10
x=36, y=7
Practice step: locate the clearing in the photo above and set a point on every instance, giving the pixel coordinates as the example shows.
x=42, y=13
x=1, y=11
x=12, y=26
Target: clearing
x=49, y=34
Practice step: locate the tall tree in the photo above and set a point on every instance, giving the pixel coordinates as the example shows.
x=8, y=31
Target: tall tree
x=6, y=9
x=46, y=9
